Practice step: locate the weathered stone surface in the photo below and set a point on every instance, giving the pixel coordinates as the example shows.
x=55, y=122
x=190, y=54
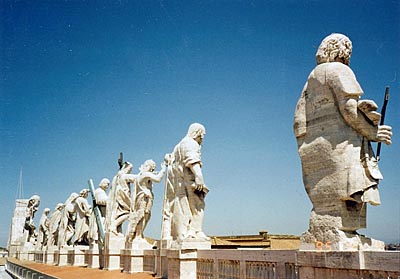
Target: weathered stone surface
x=143, y=200
x=43, y=230
x=185, y=189
x=334, y=129
x=17, y=232
x=119, y=200
x=101, y=198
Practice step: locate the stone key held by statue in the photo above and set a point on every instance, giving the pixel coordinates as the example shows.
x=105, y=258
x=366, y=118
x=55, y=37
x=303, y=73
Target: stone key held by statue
x=385, y=102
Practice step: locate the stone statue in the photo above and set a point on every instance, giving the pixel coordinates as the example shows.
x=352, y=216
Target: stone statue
x=32, y=207
x=119, y=202
x=83, y=210
x=101, y=197
x=43, y=230
x=189, y=190
x=141, y=207
x=54, y=224
x=67, y=222
x=334, y=129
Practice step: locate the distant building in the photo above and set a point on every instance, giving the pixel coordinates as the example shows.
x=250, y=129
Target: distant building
x=393, y=247
x=263, y=240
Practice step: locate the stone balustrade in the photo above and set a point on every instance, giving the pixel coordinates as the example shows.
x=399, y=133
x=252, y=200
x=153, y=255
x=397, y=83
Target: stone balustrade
x=250, y=264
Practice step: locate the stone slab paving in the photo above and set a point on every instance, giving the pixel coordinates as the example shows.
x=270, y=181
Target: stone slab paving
x=72, y=272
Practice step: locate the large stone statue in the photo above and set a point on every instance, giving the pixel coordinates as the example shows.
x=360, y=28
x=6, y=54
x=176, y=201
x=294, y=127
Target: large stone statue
x=54, y=225
x=119, y=202
x=334, y=129
x=43, y=233
x=141, y=207
x=101, y=197
x=184, y=216
x=32, y=207
x=83, y=210
x=67, y=222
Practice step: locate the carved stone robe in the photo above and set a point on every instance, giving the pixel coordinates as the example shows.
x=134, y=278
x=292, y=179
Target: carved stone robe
x=329, y=148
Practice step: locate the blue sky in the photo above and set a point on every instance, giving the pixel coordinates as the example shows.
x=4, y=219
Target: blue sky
x=81, y=81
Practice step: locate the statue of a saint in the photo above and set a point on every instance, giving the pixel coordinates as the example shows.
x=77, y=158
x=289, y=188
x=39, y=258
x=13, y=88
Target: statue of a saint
x=188, y=187
x=119, y=203
x=334, y=129
x=101, y=197
x=32, y=207
x=43, y=230
x=141, y=207
x=83, y=210
x=67, y=222
x=54, y=225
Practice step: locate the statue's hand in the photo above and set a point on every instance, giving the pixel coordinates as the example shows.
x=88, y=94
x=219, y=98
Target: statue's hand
x=384, y=134
x=168, y=159
x=369, y=107
x=199, y=187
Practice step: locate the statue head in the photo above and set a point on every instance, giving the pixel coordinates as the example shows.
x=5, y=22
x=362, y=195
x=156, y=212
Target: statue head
x=46, y=211
x=71, y=198
x=334, y=48
x=84, y=193
x=59, y=206
x=148, y=165
x=104, y=184
x=126, y=168
x=196, y=131
x=34, y=201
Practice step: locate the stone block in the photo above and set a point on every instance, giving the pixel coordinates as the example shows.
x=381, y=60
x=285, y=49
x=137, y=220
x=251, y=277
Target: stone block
x=388, y=260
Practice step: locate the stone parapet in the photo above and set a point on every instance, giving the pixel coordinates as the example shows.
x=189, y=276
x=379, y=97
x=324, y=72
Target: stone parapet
x=257, y=264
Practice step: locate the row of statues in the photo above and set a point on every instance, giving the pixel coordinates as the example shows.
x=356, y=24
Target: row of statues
x=130, y=201
x=334, y=129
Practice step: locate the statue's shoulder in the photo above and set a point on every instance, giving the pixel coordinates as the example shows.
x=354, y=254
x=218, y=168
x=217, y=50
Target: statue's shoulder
x=342, y=77
x=188, y=143
x=333, y=67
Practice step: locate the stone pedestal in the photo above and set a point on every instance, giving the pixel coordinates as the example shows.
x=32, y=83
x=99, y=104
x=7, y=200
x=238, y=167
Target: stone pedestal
x=191, y=244
x=61, y=256
x=76, y=255
x=94, y=257
x=132, y=259
x=27, y=252
x=49, y=255
x=162, y=259
x=182, y=264
x=112, y=251
x=182, y=258
x=341, y=241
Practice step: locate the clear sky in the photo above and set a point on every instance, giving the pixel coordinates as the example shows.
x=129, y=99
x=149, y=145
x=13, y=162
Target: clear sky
x=82, y=81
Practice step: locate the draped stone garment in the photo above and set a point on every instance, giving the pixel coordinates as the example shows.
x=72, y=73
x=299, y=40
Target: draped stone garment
x=101, y=201
x=329, y=148
x=54, y=226
x=188, y=208
x=43, y=231
x=82, y=219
